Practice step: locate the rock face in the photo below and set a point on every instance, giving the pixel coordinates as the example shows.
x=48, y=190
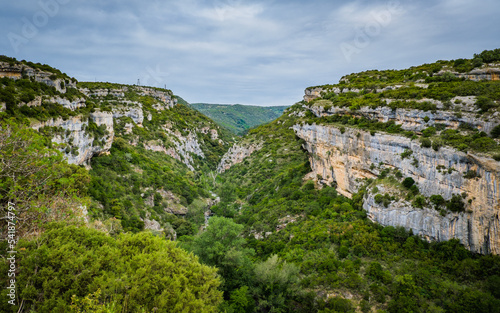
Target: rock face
x=16, y=71
x=415, y=120
x=135, y=113
x=237, y=154
x=431, y=225
x=346, y=158
x=75, y=135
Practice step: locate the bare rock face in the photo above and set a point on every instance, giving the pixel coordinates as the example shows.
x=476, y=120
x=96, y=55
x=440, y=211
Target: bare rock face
x=237, y=154
x=135, y=113
x=75, y=136
x=153, y=225
x=349, y=157
x=72, y=105
x=417, y=120
x=431, y=225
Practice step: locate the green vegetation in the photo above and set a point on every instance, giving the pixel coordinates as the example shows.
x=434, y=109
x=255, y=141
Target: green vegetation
x=239, y=118
x=275, y=242
x=336, y=248
x=36, y=178
x=127, y=273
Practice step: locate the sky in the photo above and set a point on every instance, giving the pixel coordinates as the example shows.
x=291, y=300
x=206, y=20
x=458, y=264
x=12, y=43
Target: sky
x=236, y=51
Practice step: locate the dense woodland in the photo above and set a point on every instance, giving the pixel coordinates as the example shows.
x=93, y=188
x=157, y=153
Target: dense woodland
x=274, y=243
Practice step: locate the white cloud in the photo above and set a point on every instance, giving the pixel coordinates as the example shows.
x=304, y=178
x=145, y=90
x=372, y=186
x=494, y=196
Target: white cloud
x=250, y=52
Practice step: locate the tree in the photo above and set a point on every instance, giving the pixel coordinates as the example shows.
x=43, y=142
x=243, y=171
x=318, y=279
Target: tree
x=221, y=245
x=404, y=295
x=277, y=282
x=132, y=273
x=36, y=180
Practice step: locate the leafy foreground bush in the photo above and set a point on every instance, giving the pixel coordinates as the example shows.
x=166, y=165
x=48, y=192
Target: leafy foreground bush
x=130, y=273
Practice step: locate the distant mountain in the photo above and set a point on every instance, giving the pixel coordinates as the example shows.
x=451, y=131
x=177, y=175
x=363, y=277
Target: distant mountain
x=239, y=118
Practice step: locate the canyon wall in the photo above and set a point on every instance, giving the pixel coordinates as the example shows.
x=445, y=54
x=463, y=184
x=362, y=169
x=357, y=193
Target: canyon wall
x=349, y=156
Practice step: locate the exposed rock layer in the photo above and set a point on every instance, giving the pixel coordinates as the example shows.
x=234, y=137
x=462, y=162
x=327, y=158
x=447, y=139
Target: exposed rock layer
x=346, y=158
x=237, y=154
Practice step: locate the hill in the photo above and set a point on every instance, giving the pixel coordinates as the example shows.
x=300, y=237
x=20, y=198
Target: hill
x=239, y=118
x=375, y=194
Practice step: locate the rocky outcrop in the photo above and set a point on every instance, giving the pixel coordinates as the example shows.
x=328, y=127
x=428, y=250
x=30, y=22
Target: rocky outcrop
x=486, y=73
x=237, y=154
x=72, y=105
x=312, y=93
x=348, y=157
x=431, y=225
x=185, y=146
x=166, y=98
x=75, y=135
x=18, y=70
x=135, y=113
x=418, y=120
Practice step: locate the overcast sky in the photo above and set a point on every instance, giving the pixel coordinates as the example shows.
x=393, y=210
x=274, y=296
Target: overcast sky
x=236, y=51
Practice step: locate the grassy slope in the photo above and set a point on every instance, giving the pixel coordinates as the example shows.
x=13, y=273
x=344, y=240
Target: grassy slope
x=239, y=118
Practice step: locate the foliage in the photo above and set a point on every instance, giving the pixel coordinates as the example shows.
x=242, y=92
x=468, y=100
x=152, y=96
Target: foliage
x=222, y=246
x=239, y=118
x=36, y=179
x=408, y=182
x=133, y=273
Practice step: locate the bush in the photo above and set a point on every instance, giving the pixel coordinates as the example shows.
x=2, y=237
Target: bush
x=426, y=143
x=437, y=200
x=471, y=174
x=436, y=144
x=485, y=103
x=495, y=132
x=419, y=202
x=429, y=131
x=67, y=261
x=406, y=153
x=408, y=182
x=456, y=204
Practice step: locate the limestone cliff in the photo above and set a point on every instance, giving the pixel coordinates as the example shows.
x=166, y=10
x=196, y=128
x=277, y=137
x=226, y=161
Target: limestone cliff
x=75, y=135
x=417, y=120
x=237, y=154
x=19, y=70
x=347, y=157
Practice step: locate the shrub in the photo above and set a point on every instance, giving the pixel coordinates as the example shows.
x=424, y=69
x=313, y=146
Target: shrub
x=426, y=143
x=437, y=200
x=414, y=190
x=419, y=202
x=471, y=174
x=429, y=131
x=427, y=119
x=483, y=144
x=67, y=261
x=436, y=144
x=455, y=204
x=406, y=153
x=408, y=182
x=495, y=132
x=485, y=103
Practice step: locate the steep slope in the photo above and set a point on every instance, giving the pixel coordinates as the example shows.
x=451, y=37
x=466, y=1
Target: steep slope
x=347, y=263
x=239, y=118
x=441, y=133
x=146, y=152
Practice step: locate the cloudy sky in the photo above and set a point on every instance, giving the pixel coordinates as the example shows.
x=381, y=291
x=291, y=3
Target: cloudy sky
x=237, y=51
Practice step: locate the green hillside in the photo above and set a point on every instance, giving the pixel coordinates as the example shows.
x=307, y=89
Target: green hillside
x=239, y=118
